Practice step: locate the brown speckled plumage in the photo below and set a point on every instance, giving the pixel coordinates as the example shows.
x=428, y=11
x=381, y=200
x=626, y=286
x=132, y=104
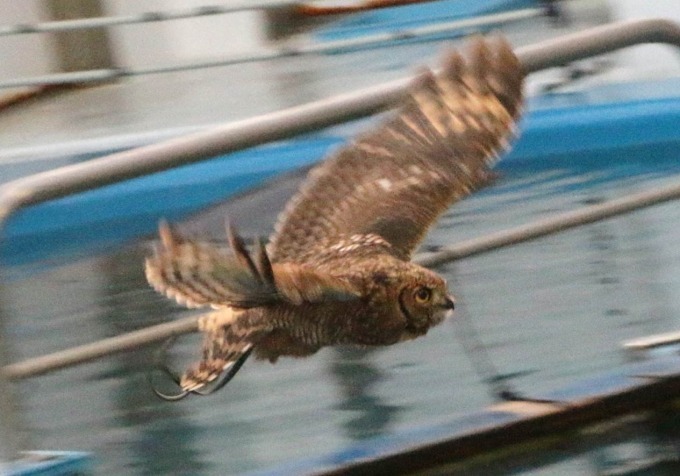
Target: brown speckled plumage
x=337, y=270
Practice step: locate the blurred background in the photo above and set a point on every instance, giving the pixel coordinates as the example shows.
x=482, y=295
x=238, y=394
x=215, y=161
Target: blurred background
x=549, y=313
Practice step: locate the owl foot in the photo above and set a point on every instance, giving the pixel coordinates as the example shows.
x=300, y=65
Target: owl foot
x=162, y=365
x=217, y=384
x=225, y=377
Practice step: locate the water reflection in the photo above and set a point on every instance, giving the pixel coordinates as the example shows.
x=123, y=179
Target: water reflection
x=165, y=440
x=356, y=376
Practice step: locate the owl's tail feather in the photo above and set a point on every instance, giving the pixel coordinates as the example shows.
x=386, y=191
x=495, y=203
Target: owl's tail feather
x=261, y=266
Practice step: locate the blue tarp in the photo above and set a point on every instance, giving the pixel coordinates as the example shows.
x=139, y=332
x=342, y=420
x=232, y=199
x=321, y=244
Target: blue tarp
x=387, y=20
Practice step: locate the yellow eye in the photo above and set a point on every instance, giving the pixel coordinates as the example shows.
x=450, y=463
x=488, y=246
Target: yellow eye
x=423, y=295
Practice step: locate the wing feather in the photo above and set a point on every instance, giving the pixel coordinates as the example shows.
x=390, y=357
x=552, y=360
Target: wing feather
x=199, y=275
x=396, y=180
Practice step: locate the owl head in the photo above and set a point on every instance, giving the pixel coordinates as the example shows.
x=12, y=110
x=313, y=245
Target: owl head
x=424, y=300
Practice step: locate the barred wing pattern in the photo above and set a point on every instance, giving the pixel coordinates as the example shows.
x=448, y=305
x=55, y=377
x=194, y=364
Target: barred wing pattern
x=199, y=275
x=396, y=180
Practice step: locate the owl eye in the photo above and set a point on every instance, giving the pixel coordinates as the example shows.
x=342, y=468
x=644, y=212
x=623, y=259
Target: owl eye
x=423, y=295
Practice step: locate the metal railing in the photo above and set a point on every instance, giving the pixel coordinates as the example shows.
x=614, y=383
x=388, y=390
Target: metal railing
x=144, y=17
x=61, y=182
x=453, y=29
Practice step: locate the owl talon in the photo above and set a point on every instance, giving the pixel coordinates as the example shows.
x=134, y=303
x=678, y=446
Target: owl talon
x=161, y=365
x=223, y=379
x=226, y=376
x=167, y=397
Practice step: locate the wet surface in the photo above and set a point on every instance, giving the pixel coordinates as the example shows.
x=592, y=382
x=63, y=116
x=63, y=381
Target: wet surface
x=548, y=312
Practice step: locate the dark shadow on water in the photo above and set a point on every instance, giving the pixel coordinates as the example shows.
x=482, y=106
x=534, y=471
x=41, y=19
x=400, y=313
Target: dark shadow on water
x=165, y=441
x=356, y=378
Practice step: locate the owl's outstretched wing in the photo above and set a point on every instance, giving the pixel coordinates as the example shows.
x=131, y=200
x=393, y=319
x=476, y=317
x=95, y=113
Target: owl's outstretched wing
x=396, y=180
x=199, y=275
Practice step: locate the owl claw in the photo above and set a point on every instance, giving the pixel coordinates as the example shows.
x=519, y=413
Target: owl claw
x=223, y=379
x=161, y=365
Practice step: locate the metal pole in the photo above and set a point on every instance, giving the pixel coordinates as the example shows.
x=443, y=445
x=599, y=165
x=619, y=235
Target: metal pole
x=96, y=350
x=597, y=40
x=146, y=17
x=565, y=49
x=455, y=28
x=80, y=50
x=552, y=225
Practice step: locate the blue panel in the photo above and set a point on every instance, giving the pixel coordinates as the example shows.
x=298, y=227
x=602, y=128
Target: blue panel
x=50, y=463
x=386, y=20
x=118, y=212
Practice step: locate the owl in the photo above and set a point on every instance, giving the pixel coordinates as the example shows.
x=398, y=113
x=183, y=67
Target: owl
x=337, y=267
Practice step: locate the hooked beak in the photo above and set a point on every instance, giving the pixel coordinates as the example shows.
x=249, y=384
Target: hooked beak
x=449, y=303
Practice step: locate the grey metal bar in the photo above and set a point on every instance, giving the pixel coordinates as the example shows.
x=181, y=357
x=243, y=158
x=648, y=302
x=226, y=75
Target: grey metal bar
x=598, y=40
x=286, y=50
x=95, y=350
x=544, y=55
x=145, y=17
x=455, y=27
x=76, y=77
x=554, y=224
x=75, y=178
x=650, y=342
x=562, y=50
x=231, y=137
x=465, y=24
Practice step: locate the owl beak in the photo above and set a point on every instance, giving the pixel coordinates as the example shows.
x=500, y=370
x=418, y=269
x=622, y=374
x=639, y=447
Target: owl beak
x=449, y=303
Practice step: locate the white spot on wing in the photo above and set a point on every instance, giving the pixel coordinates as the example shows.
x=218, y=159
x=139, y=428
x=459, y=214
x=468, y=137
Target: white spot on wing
x=385, y=184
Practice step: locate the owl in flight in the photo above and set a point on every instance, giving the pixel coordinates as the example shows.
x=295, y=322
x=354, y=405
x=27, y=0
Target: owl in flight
x=337, y=268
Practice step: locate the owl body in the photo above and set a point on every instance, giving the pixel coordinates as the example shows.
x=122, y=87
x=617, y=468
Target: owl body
x=337, y=268
x=379, y=313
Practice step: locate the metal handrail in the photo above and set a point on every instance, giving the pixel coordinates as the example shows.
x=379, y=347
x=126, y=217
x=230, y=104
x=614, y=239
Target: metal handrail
x=144, y=17
x=454, y=28
x=116, y=167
